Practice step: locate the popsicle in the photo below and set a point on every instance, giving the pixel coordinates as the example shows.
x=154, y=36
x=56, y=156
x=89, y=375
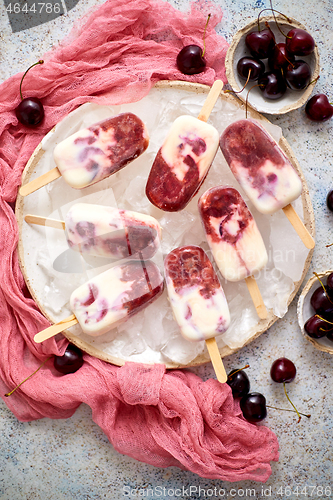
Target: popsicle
x=264, y=171
x=96, y=152
x=234, y=238
x=110, y=298
x=105, y=231
x=183, y=161
x=197, y=300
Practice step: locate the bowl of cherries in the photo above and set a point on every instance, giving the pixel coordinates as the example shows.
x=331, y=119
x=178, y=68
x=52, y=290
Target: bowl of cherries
x=315, y=311
x=273, y=64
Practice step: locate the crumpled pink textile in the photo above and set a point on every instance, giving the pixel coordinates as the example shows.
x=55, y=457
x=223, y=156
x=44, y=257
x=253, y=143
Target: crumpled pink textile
x=114, y=55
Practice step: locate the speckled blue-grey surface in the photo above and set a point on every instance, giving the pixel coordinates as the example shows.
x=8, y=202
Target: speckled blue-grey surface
x=72, y=459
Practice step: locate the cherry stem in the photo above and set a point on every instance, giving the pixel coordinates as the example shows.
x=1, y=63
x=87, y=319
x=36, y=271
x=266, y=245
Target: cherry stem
x=274, y=10
x=323, y=319
x=322, y=284
x=239, y=91
x=246, y=100
x=11, y=392
x=35, y=64
x=292, y=404
x=204, y=35
x=313, y=81
x=277, y=24
x=288, y=409
x=236, y=371
x=286, y=58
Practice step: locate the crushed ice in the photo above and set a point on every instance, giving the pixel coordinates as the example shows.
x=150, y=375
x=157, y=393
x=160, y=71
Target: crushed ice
x=153, y=335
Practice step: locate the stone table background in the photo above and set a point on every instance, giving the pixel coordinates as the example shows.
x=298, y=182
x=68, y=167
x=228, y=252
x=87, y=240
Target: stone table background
x=72, y=459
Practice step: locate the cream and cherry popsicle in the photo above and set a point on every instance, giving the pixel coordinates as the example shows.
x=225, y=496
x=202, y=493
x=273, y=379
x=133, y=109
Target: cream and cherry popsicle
x=96, y=152
x=197, y=300
x=110, y=298
x=234, y=239
x=264, y=171
x=105, y=231
x=184, y=159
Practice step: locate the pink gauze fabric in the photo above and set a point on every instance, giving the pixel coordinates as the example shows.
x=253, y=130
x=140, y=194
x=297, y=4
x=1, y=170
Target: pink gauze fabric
x=164, y=418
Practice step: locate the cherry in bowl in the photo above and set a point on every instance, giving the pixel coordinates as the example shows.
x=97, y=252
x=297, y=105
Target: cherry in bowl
x=317, y=293
x=272, y=85
x=298, y=75
x=250, y=68
x=260, y=43
x=299, y=42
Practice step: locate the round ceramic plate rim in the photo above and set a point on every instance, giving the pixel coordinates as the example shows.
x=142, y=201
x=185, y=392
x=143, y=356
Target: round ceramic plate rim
x=300, y=306
x=230, y=71
x=202, y=358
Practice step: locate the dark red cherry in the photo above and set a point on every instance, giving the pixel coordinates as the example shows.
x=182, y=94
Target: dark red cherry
x=272, y=85
x=329, y=200
x=190, y=60
x=317, y=327
x=318, y=108
x=298, y=75
x=299, y=42
x=260, y=43
x=321, y=302
x=329, y=282
x=239, y=383
x=253, y=406
x=70, y=362
x=247, y=64
x=283, y=370
x=280, y=57
x=30, y=112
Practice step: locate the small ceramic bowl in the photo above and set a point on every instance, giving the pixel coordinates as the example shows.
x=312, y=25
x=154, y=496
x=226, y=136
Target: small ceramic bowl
x=305, y=311
x=292, y=99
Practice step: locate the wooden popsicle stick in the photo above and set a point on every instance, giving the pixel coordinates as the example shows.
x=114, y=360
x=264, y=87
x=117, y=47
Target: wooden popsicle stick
x=210, y=102
x=52, y=330
x=44, y=221
x=41, y=181
x=216, y=360
x=299, y=227
x=256, y=297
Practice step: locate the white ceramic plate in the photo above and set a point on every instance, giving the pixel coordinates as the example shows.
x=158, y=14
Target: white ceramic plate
x=237, y=49
x=305, y=311
x=152, y=335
